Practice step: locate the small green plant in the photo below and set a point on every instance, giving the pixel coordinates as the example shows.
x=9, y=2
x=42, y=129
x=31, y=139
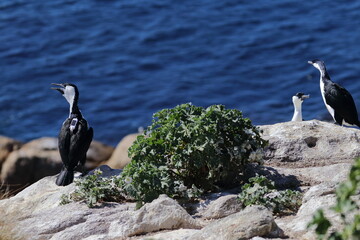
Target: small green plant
x=189, y=150
x=346, y=207
x=262, y=191
x=93, y=189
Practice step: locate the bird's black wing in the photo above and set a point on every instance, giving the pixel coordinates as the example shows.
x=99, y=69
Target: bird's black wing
x=64, y=142
x=342, y=102
x=89, y=137
x=79, y=143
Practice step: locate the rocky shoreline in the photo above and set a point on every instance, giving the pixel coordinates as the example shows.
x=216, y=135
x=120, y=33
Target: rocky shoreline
x=22, y=164
x=313, y=156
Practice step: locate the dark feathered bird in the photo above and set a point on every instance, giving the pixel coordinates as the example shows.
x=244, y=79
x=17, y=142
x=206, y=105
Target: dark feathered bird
x=337, y=99
x=74, y=137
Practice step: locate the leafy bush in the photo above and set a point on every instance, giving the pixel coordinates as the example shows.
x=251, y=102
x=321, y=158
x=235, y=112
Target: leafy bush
x=346, y=207
x=262, y=191
x=93, y=189
x=188, y=150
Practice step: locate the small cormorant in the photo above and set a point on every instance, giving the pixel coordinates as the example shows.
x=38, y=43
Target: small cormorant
x=74, y=137
x=337, y=99
x=297, y=101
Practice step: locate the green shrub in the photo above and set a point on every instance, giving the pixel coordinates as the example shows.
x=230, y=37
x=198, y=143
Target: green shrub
x=261, y=191
x=93, y=189
x=346, y=207
x=188, y=150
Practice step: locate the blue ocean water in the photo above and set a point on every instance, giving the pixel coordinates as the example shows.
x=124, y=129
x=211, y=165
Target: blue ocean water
x=133, y=58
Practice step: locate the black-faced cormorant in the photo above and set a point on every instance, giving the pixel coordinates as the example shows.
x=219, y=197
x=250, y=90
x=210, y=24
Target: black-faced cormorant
x=297, y=101
x=74, y=137
x=337, y=99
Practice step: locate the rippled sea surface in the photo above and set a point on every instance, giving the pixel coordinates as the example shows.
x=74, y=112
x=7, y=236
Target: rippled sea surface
x=133, y=58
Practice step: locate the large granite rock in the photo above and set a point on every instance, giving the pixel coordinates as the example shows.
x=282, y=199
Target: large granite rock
x=33, y=161
x=180, y=234
x=40, y=157
x=120, y=158
x=7, y=145
x=35, y=213
x=319, y=196
x=97, y=154
x=310, y=143
x=163, y=213
x=222, y=207
x=252, y=221
x=308, y=176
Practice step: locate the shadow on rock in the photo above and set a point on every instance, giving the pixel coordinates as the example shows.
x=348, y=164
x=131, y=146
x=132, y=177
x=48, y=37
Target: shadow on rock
x=281, y=181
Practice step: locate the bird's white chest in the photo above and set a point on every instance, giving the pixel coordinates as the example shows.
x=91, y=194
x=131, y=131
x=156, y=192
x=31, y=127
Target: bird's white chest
x=297, y=117
x=329, y=108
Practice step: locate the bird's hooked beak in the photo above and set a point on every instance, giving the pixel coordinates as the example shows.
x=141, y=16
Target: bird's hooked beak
x=310, y=62
x=303, y=97
x=61, y=90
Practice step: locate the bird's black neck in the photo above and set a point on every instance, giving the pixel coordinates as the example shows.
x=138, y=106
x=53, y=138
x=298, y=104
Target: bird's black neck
x=324, y=74
x=75, y=111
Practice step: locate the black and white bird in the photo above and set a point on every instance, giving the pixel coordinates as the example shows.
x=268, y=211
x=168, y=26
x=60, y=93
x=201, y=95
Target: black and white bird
x=74, y=137
x=297, y=101
x=337, y=99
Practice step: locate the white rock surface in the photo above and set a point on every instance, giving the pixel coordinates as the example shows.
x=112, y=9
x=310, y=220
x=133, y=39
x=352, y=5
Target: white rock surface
x=180, y=234
x=310, y=143
x=222, y=207
x=252, y=221
x=35, y=213
x=319, y=196
x=162, y=213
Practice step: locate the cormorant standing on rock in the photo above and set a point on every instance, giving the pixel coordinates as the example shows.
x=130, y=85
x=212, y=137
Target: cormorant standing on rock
x=337, y=99
x=74, y=137
x=297, y=101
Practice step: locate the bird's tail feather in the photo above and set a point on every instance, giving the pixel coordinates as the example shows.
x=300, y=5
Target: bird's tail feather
x=65, y=177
